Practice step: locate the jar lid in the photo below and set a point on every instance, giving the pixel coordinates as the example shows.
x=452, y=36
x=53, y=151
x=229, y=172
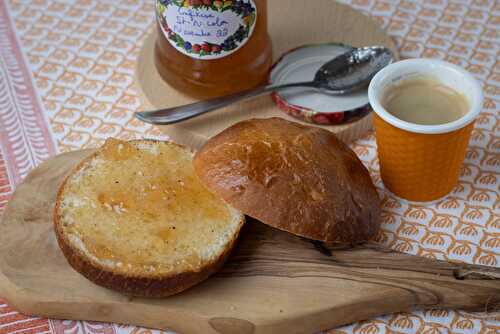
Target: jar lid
x=310, y=105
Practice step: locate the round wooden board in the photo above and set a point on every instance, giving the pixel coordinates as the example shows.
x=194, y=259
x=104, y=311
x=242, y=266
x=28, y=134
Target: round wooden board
x=273, y=281
x=292, y=23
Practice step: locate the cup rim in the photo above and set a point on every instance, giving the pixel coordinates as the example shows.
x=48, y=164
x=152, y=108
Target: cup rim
x=474, y=108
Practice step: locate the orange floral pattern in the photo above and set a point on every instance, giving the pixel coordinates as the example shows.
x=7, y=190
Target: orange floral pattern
x=82, y=55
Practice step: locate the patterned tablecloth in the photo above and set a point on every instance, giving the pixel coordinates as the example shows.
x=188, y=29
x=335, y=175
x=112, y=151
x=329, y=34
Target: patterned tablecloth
x=66, y=72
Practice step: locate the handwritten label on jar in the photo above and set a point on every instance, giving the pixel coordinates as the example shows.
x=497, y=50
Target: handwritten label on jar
x=207, y=29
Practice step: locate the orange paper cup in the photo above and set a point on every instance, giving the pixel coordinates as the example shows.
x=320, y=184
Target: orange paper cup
x=422, y=162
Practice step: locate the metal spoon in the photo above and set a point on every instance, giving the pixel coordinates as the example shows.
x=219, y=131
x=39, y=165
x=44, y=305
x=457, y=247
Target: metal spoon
x=343, y=74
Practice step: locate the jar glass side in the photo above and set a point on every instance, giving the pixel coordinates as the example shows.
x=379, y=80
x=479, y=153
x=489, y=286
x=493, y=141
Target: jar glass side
x=245, y=68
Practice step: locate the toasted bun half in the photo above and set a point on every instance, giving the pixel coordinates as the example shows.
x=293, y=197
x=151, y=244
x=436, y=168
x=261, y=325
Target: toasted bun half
x=296, y=178
x=133, y=217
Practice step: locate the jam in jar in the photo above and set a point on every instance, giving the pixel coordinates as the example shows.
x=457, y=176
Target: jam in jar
x=210, y=48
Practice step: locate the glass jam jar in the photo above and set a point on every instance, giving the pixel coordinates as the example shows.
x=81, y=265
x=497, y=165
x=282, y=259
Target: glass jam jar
x=210, y=48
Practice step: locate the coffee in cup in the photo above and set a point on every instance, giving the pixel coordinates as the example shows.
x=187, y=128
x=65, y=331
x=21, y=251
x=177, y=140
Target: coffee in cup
x=424, y=115
x=424, y=100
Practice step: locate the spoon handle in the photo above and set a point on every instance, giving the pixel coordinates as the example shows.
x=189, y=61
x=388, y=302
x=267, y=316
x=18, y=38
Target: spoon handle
x=177, y=114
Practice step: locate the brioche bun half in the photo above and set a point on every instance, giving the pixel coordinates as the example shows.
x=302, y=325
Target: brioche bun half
x=296, y=178
x=133, y=217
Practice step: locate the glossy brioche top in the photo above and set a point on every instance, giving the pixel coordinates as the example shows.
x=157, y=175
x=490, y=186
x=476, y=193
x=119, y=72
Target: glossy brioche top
x=297, y=178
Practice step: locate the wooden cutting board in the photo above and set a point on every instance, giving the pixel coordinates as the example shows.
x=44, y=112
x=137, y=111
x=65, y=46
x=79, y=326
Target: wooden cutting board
x=274, y=282
x=292, y=23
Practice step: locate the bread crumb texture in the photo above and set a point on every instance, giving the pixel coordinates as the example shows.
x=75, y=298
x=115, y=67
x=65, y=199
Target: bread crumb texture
x=137, y=207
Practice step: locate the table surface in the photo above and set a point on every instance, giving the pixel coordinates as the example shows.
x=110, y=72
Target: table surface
x=66, y=74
